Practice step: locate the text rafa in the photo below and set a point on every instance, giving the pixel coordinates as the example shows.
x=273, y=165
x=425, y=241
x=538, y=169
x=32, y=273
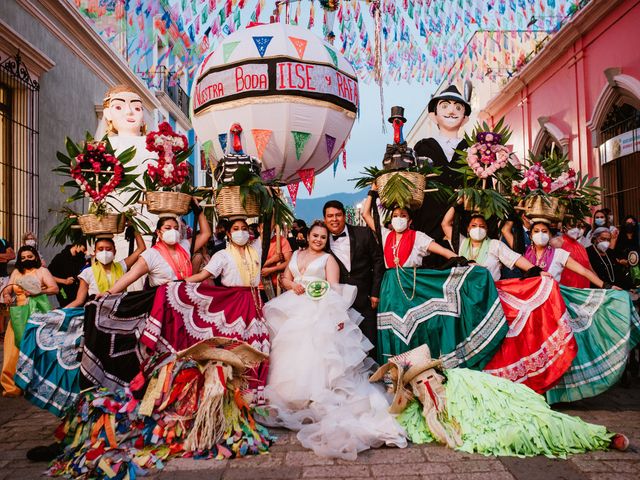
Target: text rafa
x=316, y=78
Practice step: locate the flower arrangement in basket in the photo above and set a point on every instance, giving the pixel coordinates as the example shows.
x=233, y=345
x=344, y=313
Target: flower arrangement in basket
x=96, y=172
x=166, y=187
x=551, y=189
x=488, y=167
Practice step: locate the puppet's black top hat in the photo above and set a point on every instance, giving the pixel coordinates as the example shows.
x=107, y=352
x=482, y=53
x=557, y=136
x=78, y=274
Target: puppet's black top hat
x=397, y=112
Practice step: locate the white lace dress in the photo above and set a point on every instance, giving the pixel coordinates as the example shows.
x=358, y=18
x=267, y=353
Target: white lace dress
x=318, y=379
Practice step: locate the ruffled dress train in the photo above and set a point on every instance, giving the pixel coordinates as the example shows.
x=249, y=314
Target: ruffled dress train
x=319, y=370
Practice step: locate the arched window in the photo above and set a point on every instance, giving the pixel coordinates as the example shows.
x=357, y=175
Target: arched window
x=619, y=131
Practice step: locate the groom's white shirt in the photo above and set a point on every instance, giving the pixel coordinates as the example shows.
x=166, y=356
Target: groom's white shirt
x=342, y=249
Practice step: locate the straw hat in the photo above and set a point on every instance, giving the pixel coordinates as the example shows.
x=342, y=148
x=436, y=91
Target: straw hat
x=232, y=352
x=402, y=369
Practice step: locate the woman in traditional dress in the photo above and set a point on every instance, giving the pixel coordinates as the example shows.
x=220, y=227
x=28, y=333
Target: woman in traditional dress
x=603, y=322
x=318, y=378
x=31, y=283
x=539, y=346
x=49, y=360
x=570, y=241
x=114, y=323
x=169, y=259
x=478, y=413
x=456, y=312
x=238, y=267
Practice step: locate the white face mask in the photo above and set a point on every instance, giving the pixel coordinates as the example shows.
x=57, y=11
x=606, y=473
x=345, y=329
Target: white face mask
x=105, y=257
x=170, y=237
x=240, y=237
x=399, y=224
x=603, y=246
x=30, y=242
x=540, y=238
x=478, y=233
x=574, y=233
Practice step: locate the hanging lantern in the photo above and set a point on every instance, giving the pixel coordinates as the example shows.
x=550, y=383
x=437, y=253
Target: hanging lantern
x=294, y=95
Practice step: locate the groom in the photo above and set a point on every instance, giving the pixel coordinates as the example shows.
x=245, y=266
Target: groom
x=361, y=264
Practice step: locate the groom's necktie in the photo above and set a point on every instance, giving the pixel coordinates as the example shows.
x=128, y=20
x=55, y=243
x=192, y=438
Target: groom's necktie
x=336, y=237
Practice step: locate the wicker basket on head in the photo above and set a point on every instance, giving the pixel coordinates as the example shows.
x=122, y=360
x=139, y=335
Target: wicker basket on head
x=418, y=183
x=229, y=203
x=543, y=208
x=167, y=202
x=98, y=225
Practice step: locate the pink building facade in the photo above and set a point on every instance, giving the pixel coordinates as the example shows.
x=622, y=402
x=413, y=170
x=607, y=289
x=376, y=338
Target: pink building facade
x=581, y=93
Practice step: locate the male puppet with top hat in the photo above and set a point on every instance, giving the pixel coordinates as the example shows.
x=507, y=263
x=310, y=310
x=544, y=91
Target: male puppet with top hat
x=449, y=110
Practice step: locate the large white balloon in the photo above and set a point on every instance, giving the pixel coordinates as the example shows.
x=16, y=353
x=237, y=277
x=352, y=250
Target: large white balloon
x=294, y=95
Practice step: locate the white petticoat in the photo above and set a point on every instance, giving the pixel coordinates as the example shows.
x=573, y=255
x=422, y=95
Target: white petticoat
x=318, y=377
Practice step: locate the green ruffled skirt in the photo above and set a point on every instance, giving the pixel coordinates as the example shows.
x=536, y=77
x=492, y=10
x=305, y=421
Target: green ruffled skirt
x=456, y=312
x=498, y=417
x=606, y=327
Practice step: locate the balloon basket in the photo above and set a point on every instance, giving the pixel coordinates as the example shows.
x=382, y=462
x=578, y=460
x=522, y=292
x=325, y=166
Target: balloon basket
x=543, y=208
x=229, y=203
x=176, y=203
x=417, y=181
x=111, y=223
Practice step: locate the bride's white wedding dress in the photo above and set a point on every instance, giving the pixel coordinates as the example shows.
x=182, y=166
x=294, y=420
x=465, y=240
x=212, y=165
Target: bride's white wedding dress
x=318, y=379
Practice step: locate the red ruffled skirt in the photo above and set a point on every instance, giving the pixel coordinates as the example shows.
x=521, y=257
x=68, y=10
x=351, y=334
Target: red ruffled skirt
x=539, y=346
x=184, y=314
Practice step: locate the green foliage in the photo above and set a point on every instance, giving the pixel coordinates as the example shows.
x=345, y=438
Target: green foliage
x=397, y=191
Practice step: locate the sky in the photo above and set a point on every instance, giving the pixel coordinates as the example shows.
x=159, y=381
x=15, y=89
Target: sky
x=367, y=144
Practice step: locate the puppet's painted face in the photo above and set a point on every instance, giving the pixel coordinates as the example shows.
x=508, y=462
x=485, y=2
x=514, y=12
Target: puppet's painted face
x=449, y=114
x=125, y=111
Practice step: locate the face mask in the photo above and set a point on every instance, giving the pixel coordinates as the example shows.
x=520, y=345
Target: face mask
x=478, y=233
x=540, y=238
x=31, y=243
x=29, y=264
x=105, y=257
x=603, y=246
x=599, y=222
x=240, y=237
x=629, y=227
x=171, y=237
x=399, y=224
x=574, y=233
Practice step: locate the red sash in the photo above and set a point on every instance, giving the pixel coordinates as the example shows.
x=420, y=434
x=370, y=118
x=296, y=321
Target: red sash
x=183, y=268
x=404, y=247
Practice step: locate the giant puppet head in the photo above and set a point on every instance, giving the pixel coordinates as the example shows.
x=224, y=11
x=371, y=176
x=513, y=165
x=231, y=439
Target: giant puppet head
x=449, y=110
x=123, y=112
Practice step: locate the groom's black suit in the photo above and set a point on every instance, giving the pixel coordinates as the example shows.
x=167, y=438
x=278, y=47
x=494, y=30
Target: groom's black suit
x=367, y=269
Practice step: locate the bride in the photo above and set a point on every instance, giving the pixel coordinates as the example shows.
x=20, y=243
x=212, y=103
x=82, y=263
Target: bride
x=318, y=375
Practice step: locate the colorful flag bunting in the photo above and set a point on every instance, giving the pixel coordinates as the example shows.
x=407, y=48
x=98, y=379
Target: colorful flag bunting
x=261, y=137
x=300, y=45
x=261, y=44
x=307, y=175
x=300, y=139
x=293, y=192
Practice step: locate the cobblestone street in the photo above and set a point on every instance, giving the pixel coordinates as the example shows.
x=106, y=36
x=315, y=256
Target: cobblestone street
x=23, y=426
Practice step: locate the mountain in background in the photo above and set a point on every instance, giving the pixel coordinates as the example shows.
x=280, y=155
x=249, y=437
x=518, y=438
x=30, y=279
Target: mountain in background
x=310, y=209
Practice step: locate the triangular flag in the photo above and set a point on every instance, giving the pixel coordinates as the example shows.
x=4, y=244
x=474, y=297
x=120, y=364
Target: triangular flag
x=268, y=175
x=227, y=49
x=307, y=175
x=293, y=192
x=261, y=137
x=300, y=44
x=222, y=138
x=335, y=165
x=331, y=141
x=261, y=44
x=334, y=57
x=300, y=139
x=344, y=159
